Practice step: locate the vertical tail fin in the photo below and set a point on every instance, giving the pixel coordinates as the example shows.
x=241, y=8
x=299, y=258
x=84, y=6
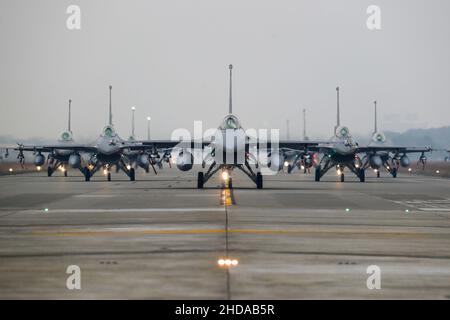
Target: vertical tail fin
x=133, y=109
x=288, y=133
x=338, y=116
x=110, y=106
x=69, y=127
x=230, y=106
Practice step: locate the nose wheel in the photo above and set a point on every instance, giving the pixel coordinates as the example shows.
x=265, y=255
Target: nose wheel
x=362, y=175
x=200, y=180
x=87, y=174
x=49, y=171
x=317, y=174
x=259, y=180
x=230, y=183
x=394, y=172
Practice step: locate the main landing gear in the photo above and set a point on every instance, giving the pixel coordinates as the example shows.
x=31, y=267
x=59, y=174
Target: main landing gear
x=359, y=172
x=89, y=172
x=202, y=178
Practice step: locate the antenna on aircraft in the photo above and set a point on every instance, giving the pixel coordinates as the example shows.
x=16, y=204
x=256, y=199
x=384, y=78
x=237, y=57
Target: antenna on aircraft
x=230, y=107
x=305, y=137
x=375, y=127
x=133, y=110
x=338, y=120
x=288, y=133
x=110, y=106
x=69, y=128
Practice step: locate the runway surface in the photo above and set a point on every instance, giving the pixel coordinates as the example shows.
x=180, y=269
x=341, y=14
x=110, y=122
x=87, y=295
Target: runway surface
x=161, y=238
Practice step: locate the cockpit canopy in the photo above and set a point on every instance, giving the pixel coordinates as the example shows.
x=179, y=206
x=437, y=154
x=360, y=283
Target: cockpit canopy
x=342, y=133
x=379, y=137
x=230, y=122
x=66, y=136
x=109, y=131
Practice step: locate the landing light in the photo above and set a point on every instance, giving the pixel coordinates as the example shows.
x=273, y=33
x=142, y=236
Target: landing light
x=38, y=168
x=347, y=209
x=225, y=175
x=388, y=167
x=105, y=172
x=62, y=169
x=302, y=167
x=45, y=209
x=406, y=210
x=128, y=167
x=437, y=171
x=357, y=165
x=409, y=169
x=339, y=172
x=227, y=262
x=286, y=163
x=375, y=170
x=11, y=170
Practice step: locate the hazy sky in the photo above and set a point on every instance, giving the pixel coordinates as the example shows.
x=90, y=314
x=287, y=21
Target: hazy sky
x=169, y=58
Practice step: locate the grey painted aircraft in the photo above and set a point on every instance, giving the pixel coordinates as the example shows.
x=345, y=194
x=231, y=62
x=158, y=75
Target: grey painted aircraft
x=58, y=158
x=342, y=152
x=108, y=150
x=139, y=158
x=231, y=148
x=384, y=158
x=302, y=159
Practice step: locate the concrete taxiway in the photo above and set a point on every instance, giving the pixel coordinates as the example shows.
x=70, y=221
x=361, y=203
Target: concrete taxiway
x=160, y=238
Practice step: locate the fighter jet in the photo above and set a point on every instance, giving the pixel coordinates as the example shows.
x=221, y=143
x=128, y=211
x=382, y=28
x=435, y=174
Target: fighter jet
x=342, y=152
x=385, y=158
x=139, y=158
x=231, y=147
x=299, y=158
x=108, y=150
x=58, y=158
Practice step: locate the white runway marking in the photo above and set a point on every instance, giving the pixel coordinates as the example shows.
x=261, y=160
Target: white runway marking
x=161, y=210
x=93, y=196
x=427, y=205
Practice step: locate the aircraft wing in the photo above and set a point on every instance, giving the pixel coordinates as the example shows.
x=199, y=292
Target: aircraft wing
x=51, y=148
x=288, y=145
x=163, y=144
x=393, y=149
